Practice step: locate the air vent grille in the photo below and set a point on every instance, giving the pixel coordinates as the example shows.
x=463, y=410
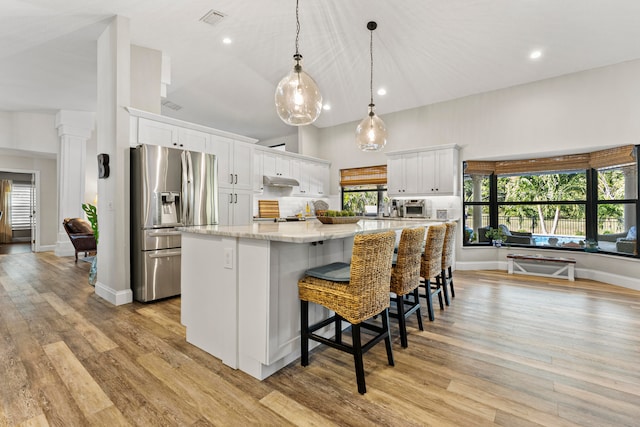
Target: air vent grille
x=171, y=105
x=213, y=17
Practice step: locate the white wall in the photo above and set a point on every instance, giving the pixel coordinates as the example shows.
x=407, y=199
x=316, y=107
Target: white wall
x=574, y=113
x=29, y=132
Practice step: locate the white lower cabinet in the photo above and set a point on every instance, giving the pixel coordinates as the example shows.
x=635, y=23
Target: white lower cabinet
x=268, y=276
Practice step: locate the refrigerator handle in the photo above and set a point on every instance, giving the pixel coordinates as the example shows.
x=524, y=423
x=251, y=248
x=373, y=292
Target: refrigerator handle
x=184, y=201
x=191, y=187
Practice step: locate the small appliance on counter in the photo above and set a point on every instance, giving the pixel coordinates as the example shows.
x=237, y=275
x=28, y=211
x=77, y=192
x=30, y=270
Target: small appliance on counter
x=417, y=208
x=396, y=208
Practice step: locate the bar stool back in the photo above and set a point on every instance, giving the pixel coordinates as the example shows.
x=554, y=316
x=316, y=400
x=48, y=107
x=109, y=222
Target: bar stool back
x=363, y=295
x=430, y=266
x=405, y=279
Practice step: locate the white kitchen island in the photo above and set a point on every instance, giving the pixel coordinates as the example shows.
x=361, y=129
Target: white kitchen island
x=240, y=286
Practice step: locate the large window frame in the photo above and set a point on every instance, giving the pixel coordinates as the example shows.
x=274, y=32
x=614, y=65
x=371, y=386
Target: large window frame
x=596, y=238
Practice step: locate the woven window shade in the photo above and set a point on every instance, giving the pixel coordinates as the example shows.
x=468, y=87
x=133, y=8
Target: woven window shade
x=546, y=164
x=618, y=156
x=370, y=175
x=475, y=167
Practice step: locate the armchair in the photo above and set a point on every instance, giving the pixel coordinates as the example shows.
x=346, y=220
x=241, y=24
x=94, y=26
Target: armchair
x=81, y=235
x=625, y=242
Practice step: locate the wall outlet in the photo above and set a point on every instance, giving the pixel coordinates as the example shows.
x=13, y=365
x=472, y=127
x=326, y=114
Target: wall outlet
x=228, y=258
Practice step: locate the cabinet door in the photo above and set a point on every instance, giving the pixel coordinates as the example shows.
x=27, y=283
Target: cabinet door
x=242, y=207
x=257, y=170
x=193, y=140
x=225, y=206
x=438, y=169
x=411, y=173
x=157, y=133
x=395, y=175
x=301, y=171
x=445, y=178
x=324, y=179
x=242, y=166
x=223, y=149
x=276, y=165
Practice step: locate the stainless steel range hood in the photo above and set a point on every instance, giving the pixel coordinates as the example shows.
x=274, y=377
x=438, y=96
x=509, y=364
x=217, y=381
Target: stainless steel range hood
x=279, y=181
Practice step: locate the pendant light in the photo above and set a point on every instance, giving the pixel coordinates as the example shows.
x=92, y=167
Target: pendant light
x=298, y=99
x=371, y=133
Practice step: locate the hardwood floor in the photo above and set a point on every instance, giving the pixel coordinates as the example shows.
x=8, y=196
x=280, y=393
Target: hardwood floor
x=509, y=351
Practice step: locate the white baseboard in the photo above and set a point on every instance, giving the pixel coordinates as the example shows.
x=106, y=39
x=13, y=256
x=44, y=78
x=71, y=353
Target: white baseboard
x=113, y=296
x=581, y=273
x=47, y=248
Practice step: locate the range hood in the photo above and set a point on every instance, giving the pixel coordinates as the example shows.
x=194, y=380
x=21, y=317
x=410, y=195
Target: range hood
x=279, y=181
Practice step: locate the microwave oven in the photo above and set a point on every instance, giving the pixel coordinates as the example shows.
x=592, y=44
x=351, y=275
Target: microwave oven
x=416, y=209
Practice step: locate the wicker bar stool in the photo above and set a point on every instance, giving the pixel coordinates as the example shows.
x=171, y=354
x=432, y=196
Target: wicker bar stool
x=430, y=266
x=405, y=279
x=446, y=275
x=363, y=295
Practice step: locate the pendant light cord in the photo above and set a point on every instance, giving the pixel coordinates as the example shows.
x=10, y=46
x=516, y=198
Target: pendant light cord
x=371, y=79
x=297, y=29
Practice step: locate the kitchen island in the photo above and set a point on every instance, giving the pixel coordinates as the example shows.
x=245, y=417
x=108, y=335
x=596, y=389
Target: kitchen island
x=239, y=285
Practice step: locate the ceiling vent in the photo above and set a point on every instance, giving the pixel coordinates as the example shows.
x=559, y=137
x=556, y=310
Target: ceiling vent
x=172, y=105
x=213, y=17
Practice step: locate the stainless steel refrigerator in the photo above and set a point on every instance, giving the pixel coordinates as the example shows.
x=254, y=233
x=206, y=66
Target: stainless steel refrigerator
x=169, y=188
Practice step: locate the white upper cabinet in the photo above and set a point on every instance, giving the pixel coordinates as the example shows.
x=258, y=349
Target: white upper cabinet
x=403, y=174
x=439, y=172
x=235, y=161
x=423, y=172
x=274, y=164
x=168, y=135
x=312, y=174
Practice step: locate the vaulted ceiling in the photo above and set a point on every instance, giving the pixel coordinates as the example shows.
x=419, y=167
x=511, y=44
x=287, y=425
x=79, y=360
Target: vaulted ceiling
x=425, y=51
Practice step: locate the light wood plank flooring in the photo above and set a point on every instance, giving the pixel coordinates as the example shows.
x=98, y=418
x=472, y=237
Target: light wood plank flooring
x=509, y=351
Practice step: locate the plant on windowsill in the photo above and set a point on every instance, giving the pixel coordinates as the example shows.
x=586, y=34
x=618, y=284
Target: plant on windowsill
x=92, y=216
x=497, y=236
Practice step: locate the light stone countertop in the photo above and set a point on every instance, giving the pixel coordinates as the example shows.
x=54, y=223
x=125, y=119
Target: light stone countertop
x=304, y=231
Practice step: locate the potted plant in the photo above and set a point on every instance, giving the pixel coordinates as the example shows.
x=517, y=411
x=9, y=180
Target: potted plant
x=497, y=235
x=92, y=216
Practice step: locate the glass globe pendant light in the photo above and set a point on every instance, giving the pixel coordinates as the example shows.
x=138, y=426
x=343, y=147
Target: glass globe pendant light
x=371, y=133
x=298, y=99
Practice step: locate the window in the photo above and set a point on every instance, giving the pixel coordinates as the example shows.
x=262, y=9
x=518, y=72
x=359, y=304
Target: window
x=21, y=206
x=364, y=190
x=572, y=202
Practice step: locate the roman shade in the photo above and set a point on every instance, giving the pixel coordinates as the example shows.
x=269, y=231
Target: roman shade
x=370, y=175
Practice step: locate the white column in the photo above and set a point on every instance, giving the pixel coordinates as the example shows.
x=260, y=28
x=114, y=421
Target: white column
x=74, y=129
x=112, y=138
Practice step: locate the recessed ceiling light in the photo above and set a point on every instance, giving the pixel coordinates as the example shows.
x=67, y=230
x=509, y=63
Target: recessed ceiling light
x=535, y=54
x=326, y=107
x=382, y=91
x=226, y=40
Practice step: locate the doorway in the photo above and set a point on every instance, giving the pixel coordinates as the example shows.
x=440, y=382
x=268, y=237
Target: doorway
x=17, y=212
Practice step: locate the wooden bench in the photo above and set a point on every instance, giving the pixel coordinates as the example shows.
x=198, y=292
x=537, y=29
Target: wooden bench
x=565, y=264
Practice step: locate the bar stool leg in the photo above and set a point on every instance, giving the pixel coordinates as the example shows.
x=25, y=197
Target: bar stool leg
x=416, y=297
x=402, y=322
x=439, y=287
x=357, y=357
x=338, y=327
x=443, y=276
x=453, y=292
x=387, y=339
x=427, y=288
x=304, y=333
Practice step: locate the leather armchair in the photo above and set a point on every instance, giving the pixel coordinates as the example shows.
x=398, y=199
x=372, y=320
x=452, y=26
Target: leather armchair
x=81, y=235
